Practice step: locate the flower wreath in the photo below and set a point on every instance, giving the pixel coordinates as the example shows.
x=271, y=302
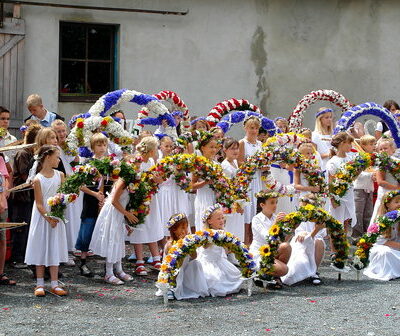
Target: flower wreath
x=209, y=211
x=383, y=224
x=351, y=115
x=172, y=221
x=184, y=247
x=224, y=107
x=308, y=213
x=240, y=116
x=198, y=136
x=296, y=118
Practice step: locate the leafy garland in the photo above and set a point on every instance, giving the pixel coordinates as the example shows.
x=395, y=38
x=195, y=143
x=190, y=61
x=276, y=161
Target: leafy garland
x=389, y=164
x=383, y=224
x=183, y=247
x=306, y=213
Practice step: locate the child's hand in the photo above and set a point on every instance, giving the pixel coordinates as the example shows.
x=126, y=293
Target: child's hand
x=334, y=204
x=315, y=189
x=300, y=238
x=280, y=216
x=100, y=196
x=52, y=221
x=131, y=217
x=129, y=229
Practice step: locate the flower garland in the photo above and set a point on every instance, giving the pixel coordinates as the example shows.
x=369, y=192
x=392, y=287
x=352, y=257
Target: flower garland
x=3, y=132
x=383, y=224
x=296, y=118
x=348, y=172
x=222, y=108
x=239, y=116
x=68, y=151
x=287, y=225
x=389, y=164
x=184, y=247
x=351, y=115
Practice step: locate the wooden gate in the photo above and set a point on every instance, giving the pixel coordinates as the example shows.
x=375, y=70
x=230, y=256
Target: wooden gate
x=12, y=34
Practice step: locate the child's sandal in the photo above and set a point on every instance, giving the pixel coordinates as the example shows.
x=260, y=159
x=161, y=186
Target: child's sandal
x=156, y=265
x=125, y=277
x=113, y=280
x=39, y=291
x=5, y=281
x=59, y=291
x=140, y=270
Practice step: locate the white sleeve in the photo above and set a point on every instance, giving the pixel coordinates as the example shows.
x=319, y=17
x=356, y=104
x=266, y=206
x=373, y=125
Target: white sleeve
x=257, y=226
x=379, y=127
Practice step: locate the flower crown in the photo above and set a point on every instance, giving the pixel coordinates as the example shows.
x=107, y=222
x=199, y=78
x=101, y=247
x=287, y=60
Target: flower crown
x=175, y=219
x=268, y=194
x=317, y=201
x=38, y=157
x=203, y=137
x=389, y=196
x=209, y=211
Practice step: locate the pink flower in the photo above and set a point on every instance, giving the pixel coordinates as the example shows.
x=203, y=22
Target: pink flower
x=373, y=228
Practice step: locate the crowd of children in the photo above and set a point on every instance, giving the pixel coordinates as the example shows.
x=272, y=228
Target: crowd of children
x=98, y=222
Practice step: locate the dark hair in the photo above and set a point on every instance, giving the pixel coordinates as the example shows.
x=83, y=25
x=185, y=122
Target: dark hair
x=4, y=110
x=338, y=139
x=260, y=200
x=31, y=133
x=172, y=229
x=262, y=130
x=389, y=103
x=229, y=142
x=44, y=151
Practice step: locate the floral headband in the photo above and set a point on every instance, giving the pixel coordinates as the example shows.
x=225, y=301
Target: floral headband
x=193, y=122
x=203, y=137
x=318, y=201
x=323, y=112
x=389, y=196
x=267, y=194
x=209, y=211
x=175, y=219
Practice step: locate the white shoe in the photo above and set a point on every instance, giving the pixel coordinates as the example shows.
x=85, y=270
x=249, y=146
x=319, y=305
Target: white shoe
x=70, y=262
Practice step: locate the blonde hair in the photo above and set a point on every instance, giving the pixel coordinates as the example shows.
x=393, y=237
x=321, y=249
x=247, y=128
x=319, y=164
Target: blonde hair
x=253, y=120
x=31, y=122
x=367, y=140
x=41, y=137
x=384, y=209
x=304, y=145
x=98, y=138
x=318, y=124
x=58, y=122
x=339, y=138
x=307, y=133
x=34, y=100
x=147, y=144
x=390, y=141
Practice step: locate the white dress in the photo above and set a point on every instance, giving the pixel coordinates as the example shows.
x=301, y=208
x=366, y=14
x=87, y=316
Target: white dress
x=108, y=239
x=381, y=191
x=73, y=210
x=323, y=143
x=256, y=184
x=260, y=226
x=152, y=230
x=384, y=261
x=286, y=177
x=302, y=264
x=221, y=275
x=347, y=208
x=235, y=221
x=191, y=282
x=46, y=245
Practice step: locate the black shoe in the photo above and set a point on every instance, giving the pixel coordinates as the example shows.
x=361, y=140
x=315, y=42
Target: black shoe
x=85, y=271
x=316, y=280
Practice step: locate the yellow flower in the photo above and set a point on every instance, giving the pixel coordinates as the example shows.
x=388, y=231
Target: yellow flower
x=265, y=251
x=362, y=241
x=274, y=230
x=309, y=207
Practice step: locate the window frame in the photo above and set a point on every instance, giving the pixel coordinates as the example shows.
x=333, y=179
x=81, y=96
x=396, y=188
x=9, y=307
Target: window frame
x=89, y=98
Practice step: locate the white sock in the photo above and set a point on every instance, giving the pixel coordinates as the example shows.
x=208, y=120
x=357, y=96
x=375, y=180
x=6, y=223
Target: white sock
x=109, y=269
x=157, y=258
x=40, y=282
x=118, y=267
x=139, y=261
x=54, y=284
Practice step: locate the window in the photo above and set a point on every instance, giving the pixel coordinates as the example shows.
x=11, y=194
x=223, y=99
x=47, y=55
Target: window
x=87, y=61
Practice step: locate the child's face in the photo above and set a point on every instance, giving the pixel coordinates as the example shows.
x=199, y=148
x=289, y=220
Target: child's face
x=394, y=204
x=100, y=149
x=369, y=147
x=262, y=137
x=61, y=132
x=232, y=153
x=210, y=149
x=392, y=109
x=386, y=147
x=306, y=151
x=166, y=146
x=201, y=125
x=326, y=119
x=178, y=119
x=217, y=220
x=282, y=124
x=52, y=139
x=54, y=159
x=181, y=230
x=36, y=110
x=218, y=133
x=252, y=129
x=269, y=206
x=345, y=146
x=4, y=120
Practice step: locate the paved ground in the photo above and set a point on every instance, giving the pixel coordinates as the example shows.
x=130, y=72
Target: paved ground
x=348, y=307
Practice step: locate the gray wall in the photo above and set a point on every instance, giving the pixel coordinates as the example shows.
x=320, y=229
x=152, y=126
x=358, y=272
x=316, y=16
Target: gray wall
x=270, y=52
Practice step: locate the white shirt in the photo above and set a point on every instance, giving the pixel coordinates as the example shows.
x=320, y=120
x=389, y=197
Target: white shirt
x=260, y=225
x=364, y=181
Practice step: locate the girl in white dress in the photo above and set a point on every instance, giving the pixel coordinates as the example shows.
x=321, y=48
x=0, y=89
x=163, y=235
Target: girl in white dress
x=190, y=282
x=235, y=221
x=151, y=231
x=385, y=180
x=322, y=134
x=267, y=204
x=47, y=241
x=108, y=239
x=205, y=196
x=249, y=146
x=346, y=211
x=221, y=275
x=384, y=257
x=308, y=248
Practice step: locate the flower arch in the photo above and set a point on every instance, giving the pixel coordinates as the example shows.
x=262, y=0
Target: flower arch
x=296, y=118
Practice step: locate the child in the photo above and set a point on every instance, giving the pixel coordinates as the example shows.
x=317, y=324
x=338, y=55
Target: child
x=266, y=206
x=248, y=146
x=190, y=282
x=38, y=112
x=108, y=238
x=93, y=200
x=385, y=180
x=346, y=211
x=363, y=191
x=381, y=127
x=205, y=196
x=308, y=248
x=384, y=258
x=322, y=134
x=222, y=276
x=235, y=222
x=151, y=231
x=282, y=124
x=47, y=241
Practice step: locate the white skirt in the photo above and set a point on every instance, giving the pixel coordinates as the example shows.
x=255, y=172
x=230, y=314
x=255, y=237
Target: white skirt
x=73, y=221
x=205, y=197
x=256, y=185
x=384, y=263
